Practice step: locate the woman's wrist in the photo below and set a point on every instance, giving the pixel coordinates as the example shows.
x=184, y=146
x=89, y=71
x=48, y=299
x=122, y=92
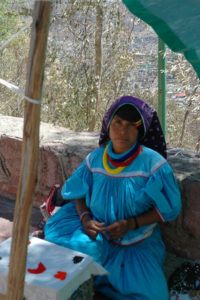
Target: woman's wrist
x=133, y=223
x=136, y=222
x=85, y=216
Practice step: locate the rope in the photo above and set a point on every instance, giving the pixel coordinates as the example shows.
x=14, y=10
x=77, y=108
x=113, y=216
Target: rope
x=184, y=153
x=4, y=45
x=18, y=91
x=45, y=1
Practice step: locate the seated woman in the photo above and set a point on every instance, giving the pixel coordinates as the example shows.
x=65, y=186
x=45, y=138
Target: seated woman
x=123, y=190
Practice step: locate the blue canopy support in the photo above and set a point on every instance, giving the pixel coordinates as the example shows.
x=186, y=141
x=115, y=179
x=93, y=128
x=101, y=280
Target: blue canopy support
x=176, y=22
x=177, y=25
x=162, y=84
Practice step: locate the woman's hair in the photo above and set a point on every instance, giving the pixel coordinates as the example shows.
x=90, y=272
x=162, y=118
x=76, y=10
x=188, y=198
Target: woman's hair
x=129, y=113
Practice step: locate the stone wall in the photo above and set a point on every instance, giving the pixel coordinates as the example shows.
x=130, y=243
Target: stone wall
x=182, y=236
x=62, y=151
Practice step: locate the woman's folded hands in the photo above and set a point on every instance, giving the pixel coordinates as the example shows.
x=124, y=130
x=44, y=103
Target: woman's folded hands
x=116, y=230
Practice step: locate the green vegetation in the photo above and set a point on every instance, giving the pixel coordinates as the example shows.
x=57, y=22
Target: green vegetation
x=13, y=57
x=97, y=51
x=10, y=21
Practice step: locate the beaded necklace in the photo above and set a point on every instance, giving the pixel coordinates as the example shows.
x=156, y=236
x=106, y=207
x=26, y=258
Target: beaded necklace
x=106, y=166
x=121, y=163
x=123, y=156
x=127, y=161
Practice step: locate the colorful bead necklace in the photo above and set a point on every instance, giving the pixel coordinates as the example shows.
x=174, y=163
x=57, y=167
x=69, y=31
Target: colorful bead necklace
x=126, y=155
x=127, y=161
x=106, y=166
x=122, y=162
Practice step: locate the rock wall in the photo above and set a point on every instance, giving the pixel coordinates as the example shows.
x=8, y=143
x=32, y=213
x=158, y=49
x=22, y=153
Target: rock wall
x=62, y=151
x=182, y=236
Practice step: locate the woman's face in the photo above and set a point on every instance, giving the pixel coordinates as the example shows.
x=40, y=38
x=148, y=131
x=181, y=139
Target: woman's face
x=123, y=134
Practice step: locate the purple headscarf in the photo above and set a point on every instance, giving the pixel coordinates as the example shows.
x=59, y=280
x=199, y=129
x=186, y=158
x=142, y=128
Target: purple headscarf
x=153, y=134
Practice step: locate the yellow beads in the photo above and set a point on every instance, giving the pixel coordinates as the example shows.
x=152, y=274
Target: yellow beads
x=106, y=166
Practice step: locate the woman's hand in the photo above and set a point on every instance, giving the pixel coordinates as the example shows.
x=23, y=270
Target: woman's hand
x=117, y=229
x=91, y=227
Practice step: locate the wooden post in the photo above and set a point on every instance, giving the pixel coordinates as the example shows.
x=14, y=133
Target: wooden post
x=30, y=150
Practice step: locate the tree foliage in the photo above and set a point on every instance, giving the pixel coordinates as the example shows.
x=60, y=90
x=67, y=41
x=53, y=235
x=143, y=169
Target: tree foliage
x=97, y=52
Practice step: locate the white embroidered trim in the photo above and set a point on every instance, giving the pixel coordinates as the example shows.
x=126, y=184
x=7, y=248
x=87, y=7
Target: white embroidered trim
x=139, y=238
x=160, y=215
x=126, y=174
x=158, y=165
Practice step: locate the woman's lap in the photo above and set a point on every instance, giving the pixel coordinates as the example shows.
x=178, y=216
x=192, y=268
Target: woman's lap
x=135, y=271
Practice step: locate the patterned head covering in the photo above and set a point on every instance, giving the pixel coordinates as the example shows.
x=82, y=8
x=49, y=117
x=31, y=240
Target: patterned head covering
x=153, y=134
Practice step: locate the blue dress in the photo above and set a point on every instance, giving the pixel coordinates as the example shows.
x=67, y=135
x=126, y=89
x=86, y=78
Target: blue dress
x=134, y=262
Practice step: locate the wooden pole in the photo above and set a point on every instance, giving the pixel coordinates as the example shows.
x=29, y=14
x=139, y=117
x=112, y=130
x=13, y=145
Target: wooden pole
x=30, y=150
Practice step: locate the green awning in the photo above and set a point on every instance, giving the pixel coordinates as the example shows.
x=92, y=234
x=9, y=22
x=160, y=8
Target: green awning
x=177, y=23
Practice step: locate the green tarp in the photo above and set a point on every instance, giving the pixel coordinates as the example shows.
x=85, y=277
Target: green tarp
x=177, y=23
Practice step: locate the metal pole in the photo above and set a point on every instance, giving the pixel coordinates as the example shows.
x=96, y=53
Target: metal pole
x=162, y=84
